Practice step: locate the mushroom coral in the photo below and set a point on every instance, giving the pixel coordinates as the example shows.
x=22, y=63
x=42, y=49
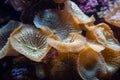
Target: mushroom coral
x=91, y=64
x=74, y=43
x=30, y=42
x=91, y=57
x=58, y=22
x=63, y=22
x=102, y=34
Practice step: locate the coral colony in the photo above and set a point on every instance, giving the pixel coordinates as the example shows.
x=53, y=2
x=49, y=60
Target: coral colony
x=59, y=39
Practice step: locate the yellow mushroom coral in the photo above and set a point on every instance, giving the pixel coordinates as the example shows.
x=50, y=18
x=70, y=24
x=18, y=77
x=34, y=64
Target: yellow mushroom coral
x=91, y=64
x=30, y=42
x=74, y=43
x=63, y=22
x=79, y=16
x=60, y=22
x=103, y=35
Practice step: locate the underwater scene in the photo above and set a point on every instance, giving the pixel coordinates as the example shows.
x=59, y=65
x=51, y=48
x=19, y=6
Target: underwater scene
x=59, y=39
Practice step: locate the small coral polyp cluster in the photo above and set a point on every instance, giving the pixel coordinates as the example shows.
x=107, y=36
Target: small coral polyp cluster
x=94, y=56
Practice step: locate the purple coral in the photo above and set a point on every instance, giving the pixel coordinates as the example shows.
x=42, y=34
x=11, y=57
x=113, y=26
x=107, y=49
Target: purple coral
x=88, y=6
x=92, y=3
x=87, y=9
x=91, y=6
